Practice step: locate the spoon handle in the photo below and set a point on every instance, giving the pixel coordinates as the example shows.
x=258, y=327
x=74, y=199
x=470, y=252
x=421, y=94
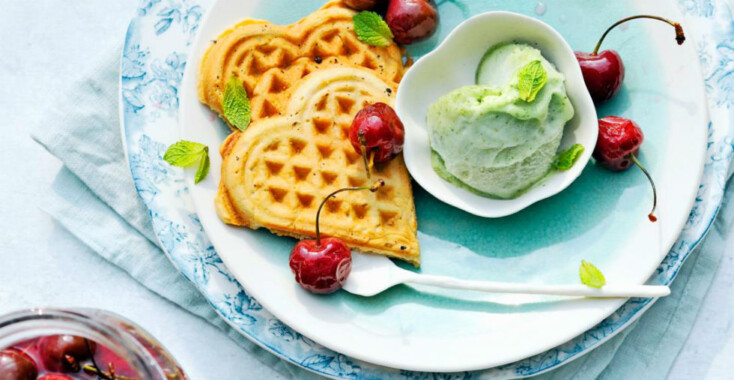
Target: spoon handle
x=608, y=291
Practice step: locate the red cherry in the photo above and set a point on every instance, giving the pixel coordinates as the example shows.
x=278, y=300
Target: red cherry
x=363, y=5
x=64, y=353
x=617, y=147
x=321, y=268
x=604, y=72
x=17, y=365
x=55, y=376
x=379, y=129
x=412, y=20
x=618, y=139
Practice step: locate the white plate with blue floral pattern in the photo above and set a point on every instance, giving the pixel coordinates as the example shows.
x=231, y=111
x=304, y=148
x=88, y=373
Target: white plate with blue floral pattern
x=155, y=53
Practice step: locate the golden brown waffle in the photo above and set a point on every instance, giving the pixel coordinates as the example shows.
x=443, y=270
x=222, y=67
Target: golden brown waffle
x=270, y=58
x=275, y=173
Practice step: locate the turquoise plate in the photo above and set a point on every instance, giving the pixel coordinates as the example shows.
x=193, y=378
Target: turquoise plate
x=541, y=244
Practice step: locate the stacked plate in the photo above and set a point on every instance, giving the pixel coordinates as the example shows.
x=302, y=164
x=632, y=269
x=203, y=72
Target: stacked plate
x=681, y=104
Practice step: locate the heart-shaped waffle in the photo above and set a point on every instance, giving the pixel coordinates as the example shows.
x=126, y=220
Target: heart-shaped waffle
x=275, y=173
x=269, y=58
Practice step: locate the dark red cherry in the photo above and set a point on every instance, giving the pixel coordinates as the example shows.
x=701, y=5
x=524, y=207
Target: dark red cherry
x=617, y=147
x=412, y=20
x=604, y=71
x=618, y=139
x=64, y=353
x=55, y=376
x=321, y=268
x=17, y=365
x=363, y=5
x=378, y=128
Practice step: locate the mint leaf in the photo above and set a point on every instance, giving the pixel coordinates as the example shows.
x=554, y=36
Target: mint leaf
x=203, y=169
x=372, y=29
x=567, y=158
x=236, y=104
x=184, y=153
x=532, y=78
x=590, y=275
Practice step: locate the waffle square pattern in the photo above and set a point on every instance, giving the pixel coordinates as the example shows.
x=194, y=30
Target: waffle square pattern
x=269, y=58
x=276, y=172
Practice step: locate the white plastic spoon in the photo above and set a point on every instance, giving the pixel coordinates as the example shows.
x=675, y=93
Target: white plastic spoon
x=372, y=274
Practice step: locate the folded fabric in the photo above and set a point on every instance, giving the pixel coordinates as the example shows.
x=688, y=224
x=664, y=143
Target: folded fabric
x=94, y=198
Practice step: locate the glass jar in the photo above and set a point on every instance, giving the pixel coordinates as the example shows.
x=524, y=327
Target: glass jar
x=142, y=353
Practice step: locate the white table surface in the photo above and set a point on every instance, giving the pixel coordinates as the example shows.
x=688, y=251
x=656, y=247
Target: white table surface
x=48, y=41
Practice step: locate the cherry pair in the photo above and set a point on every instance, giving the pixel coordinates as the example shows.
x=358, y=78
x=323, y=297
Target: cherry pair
x=619, y=139
x=322, y=265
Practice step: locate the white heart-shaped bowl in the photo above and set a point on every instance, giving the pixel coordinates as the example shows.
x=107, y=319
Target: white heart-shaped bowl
x=454, y=64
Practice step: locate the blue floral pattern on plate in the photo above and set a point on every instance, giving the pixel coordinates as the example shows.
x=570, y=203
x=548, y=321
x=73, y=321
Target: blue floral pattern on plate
x=153, y=62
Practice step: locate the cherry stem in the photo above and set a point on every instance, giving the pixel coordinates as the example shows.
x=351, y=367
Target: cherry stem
x=376, y=186
x=652, y=183
x=99, y=372
x=680, y=37
x=90, y=369
x=363, y=144
x=111, y=370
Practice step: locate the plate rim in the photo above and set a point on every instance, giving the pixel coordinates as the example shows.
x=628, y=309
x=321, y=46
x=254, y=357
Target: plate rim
x=188, y=96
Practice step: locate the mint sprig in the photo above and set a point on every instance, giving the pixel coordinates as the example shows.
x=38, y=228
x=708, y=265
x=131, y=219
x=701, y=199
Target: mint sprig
x=590, y=275
x=372, y=29
x=186, y=153
x=531, y=79
x=567, y=158
x=236, y=104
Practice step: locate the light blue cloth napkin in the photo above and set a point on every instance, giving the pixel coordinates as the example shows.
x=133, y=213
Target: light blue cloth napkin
x=94, y=198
